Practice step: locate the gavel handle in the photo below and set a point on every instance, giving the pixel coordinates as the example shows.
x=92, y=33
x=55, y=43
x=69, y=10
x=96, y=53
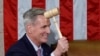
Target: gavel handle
x=58, y=30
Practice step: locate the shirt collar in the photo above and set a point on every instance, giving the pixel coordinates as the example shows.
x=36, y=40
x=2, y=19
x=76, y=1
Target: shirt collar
x=33, y=44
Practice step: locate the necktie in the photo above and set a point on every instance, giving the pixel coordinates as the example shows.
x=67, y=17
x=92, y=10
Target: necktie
x=39, y=52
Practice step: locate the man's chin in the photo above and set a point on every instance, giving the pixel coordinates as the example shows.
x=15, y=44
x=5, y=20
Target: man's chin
x=44, y=41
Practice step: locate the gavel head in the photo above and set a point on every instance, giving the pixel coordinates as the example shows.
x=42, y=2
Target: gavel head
x=50, y=13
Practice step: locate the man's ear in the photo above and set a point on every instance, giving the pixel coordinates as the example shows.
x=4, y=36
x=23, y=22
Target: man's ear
x=29, y=28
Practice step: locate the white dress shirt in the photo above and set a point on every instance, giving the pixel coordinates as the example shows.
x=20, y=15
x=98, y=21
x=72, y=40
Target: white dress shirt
x=36, y=47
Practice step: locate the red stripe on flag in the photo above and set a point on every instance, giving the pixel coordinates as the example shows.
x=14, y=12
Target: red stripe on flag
x=38, y=3
x=99, y=19
x=10, y=23
x=66, y=18
x=93, y=19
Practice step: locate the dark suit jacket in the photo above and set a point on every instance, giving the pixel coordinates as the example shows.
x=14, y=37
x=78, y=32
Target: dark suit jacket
x=24, y=48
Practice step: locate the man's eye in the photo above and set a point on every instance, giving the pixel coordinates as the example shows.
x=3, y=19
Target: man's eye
x=44, y=26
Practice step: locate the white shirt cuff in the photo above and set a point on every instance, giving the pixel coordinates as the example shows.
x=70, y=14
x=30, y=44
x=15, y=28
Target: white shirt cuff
x=52, y=54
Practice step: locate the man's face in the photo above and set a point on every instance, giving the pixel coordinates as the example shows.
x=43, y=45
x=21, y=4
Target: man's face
x=41, y=29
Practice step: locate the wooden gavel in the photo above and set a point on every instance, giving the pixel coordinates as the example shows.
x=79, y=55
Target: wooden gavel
x=51, y=13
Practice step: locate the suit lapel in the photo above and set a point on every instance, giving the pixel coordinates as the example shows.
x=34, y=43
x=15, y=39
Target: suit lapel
x=29, y=46
x=31, y=50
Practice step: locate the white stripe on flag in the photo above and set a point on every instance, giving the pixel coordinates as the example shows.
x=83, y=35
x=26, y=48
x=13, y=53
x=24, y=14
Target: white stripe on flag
x=1, y=29
x=49, y=5
x=22, y=7
x=80, y=19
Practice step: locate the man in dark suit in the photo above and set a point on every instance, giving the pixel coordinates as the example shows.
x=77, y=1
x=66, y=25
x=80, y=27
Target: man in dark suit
x=37, y=28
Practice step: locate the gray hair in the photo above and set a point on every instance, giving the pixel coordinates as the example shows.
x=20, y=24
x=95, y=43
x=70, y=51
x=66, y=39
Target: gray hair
x=31, y=14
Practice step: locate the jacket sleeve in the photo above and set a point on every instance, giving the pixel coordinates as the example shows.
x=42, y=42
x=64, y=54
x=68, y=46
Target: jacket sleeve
x=16, y=54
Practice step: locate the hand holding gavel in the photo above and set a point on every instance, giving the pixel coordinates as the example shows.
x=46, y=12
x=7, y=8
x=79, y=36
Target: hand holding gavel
x=62, y=45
